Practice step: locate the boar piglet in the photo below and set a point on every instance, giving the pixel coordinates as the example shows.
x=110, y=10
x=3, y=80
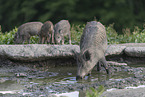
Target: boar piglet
x=25, y=31
x=47, y=33
x=62, y=28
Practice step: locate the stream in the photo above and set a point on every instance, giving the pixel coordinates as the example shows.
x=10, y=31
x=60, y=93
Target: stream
x=39, y=81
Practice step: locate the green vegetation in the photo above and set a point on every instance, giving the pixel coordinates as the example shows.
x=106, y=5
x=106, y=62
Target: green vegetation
x=76, y=32
x=95, y=93
x=7, y=37
x=137, y=36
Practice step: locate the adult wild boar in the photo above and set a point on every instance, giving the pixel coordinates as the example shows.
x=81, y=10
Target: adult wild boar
x=25, y=31
x=62, y=28
x=47, y=33
x=93, y=45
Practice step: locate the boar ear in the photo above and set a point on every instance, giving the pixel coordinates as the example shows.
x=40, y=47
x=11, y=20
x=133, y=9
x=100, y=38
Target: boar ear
x=86, y=55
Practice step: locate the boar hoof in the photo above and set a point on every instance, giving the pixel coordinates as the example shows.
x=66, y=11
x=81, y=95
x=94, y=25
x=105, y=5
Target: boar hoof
x=108, y=71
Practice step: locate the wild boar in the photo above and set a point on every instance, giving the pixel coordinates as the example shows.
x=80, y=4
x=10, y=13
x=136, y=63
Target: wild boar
x=47, y=33
x=93, y=45
x=62, y=28
x=27, y=30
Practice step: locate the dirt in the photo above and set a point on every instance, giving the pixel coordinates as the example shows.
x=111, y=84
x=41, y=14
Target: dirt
x=17, y=80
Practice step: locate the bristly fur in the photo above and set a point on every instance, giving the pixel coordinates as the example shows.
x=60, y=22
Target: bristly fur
x=93, y=45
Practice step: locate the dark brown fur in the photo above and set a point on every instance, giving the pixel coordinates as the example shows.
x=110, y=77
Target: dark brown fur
x=27, y=30
x=62, y=28
x=47, y=33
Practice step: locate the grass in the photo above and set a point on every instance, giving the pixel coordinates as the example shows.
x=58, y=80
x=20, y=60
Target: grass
x=92, y=92
x=137, y=36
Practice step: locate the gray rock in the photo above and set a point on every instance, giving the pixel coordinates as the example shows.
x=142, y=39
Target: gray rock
x=2, y=80
x=138, y=92
x=116, y=63
x=135, y=51
x=37, y=52
x=133, y=44
x=20, y=74
x=114, y=50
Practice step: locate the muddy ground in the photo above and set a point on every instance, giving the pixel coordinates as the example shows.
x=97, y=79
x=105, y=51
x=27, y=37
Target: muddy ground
x=40, y=81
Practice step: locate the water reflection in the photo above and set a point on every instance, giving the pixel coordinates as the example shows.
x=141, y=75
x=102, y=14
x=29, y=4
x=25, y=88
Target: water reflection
x=54, y=76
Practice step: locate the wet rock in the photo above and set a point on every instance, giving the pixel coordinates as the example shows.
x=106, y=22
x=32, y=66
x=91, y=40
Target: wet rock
x=20, y=74
x=116, y=63
x=138, y=92
x=2, y=80
x=130, y=70
x=31, y=77
x=137, y=75
x=143, y=71
x=135, y=51
x=53, y=96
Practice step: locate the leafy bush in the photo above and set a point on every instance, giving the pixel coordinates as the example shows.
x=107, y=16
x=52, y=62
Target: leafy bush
x=76, y=32
x=137, y=36
x=34, y=39
x=7, y=37
x=92, y=92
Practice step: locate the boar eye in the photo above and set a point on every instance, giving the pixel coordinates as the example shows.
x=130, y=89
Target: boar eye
x=86, y=56
x=59, y=31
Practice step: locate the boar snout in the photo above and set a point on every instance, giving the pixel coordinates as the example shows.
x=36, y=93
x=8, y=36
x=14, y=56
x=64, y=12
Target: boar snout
x=79, y=77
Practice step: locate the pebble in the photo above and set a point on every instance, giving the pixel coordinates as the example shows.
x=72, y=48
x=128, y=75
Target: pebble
x=20, y=74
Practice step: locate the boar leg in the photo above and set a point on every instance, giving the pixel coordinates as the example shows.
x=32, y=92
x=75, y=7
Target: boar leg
x=28, y=41
x=103, y=61
x=99, y=66
x=23, y=39
x=43, y=40
x=40, y=40
x=52, y=37
x=69, y=36
x=48, y=38
x=62, y=40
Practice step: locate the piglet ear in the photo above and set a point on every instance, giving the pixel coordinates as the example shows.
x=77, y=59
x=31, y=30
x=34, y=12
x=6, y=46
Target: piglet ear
x=86, y=55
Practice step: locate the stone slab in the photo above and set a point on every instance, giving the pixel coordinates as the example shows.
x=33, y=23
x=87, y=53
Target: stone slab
x=135, y=51
x=37, y=52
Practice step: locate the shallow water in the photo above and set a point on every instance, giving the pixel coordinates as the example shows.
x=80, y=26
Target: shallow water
x=41, y=81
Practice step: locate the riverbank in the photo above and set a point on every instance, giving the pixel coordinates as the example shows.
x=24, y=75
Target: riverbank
x=57, y=74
